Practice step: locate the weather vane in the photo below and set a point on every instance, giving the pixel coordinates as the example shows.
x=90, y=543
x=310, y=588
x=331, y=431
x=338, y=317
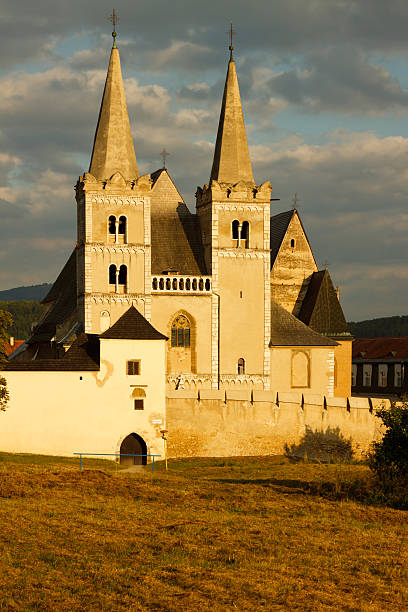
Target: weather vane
x=231, y=33
x=295, y=201
x=113, y=18
x=164, y=154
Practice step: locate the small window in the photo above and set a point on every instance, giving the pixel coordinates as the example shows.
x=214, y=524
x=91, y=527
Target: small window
x=367, y=370
x=138, y=403
x=122, y=275
x=397, y=375
x=235, y=226
x=133, y=367
x=122, y=225
x=292, y=243
x=241, y=365
x=382, y=374
x=354, y=375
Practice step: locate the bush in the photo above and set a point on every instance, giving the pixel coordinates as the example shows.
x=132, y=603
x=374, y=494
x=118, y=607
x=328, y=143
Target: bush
x=328, y=446
x=388, y=458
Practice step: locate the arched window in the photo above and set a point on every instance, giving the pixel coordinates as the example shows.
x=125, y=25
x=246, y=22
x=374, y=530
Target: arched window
x=122, y=280
x=235, y=229
x=112, y=274
x=241, y=365
x=245, y=235
x=180, y=331
x=112, y=225
x=300, y=369
x=122, y=229
x=292, y=243
x=104, y=321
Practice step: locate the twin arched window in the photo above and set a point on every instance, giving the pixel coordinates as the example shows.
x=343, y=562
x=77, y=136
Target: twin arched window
x=117, y=229
x=240, y=233
x=180, y=332
x=118, y=278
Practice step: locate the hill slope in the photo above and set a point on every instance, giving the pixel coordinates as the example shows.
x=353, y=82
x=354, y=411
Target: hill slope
x=34, y=292
x=393, y=327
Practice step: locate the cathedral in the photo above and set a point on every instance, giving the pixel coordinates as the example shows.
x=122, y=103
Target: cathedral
x=231, y=295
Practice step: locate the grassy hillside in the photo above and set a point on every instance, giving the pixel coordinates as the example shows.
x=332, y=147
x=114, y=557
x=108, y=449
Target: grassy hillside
x=380, y=328
x=209, y=535
x=24, y=314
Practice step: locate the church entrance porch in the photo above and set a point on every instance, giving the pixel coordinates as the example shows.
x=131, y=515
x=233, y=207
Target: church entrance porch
x=133, y=444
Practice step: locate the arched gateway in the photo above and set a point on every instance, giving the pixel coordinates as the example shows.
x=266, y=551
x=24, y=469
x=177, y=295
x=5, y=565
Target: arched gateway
x=133, y=444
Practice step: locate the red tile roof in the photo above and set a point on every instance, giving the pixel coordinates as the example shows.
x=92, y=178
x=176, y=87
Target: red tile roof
x=381, y=348
x=10, y=349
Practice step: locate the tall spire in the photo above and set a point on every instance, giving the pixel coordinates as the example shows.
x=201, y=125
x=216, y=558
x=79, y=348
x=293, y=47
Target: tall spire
x=113, y=149
x=231, y=157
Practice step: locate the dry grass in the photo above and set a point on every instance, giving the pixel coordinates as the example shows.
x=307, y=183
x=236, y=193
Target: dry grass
x=211, y=534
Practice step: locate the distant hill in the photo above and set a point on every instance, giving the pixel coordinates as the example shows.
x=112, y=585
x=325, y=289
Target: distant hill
x=386, y=327
x=34, y=292
x=24, y=313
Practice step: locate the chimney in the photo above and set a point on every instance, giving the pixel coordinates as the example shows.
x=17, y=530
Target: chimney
x=338, y=292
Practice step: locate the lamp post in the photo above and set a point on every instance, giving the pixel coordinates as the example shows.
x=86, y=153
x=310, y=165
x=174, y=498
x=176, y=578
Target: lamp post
x=164, y=438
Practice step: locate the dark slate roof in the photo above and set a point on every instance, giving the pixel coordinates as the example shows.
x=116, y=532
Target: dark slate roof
x=62, y=300
x=321, y=309
x=279, y=226
x=82, y=356
x=287, y=330
x=132, y=326
x=175, y=233
x=381, y=348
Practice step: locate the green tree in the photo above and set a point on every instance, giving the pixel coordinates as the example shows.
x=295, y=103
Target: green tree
x=5, y=321
x=388, y=458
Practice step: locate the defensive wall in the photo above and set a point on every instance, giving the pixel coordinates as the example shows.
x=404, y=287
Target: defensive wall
x=211, y=423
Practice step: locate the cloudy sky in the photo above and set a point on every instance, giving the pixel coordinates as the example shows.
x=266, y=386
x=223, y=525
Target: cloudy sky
x=325, y=91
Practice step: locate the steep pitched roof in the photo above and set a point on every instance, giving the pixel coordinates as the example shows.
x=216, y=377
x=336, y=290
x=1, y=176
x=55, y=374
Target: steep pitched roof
x=132, y=326
x=381, y=348
x=231, y=156
x=113, y=149
x=175, y=232
x=279, y=225
x=62, y=300
x=82, y=356
x=321, y=309
x=287, y=330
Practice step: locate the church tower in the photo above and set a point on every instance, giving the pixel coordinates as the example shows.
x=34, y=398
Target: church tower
x=113, y=218
x=234, y=217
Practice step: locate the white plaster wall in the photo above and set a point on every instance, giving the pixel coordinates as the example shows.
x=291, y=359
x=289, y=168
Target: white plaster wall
x=57, y=413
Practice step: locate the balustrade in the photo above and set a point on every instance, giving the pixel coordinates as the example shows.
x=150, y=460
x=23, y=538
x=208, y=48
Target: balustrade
x=181, y=284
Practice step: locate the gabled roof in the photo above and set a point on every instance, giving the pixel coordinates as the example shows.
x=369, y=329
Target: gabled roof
x=82, y=356
x=279, y=226
x=321, y=308
x=381, y=348
x=132, y=326
x=175, y=231
x=287, y=330
x=231, y=162
x=62, y=299
x=113, y=149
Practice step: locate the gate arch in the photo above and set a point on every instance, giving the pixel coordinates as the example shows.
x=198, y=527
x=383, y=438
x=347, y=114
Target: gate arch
x=133, y=444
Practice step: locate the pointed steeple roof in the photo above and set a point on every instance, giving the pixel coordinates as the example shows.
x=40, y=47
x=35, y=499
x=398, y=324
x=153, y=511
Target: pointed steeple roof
x=231, y=157
x=113, y=149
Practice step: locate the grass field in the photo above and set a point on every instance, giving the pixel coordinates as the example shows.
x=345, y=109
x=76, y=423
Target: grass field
x=210, y=534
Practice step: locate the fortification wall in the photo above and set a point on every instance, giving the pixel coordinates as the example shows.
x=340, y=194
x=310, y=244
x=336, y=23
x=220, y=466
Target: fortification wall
x=217, y=423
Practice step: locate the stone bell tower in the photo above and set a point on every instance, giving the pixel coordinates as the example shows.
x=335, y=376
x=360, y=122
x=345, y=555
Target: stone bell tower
x=113, y=218
x=234, y=217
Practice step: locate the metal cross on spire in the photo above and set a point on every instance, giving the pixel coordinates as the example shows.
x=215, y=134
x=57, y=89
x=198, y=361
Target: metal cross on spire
x=295, y=201
x=113, y=18
x=164, y=154
x=231, y=33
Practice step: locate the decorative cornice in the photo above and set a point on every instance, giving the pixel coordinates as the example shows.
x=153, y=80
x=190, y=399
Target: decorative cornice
x=239, y=206
x=114, y=298
x=103, y=200
x=117, y=248
x=236, y=253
